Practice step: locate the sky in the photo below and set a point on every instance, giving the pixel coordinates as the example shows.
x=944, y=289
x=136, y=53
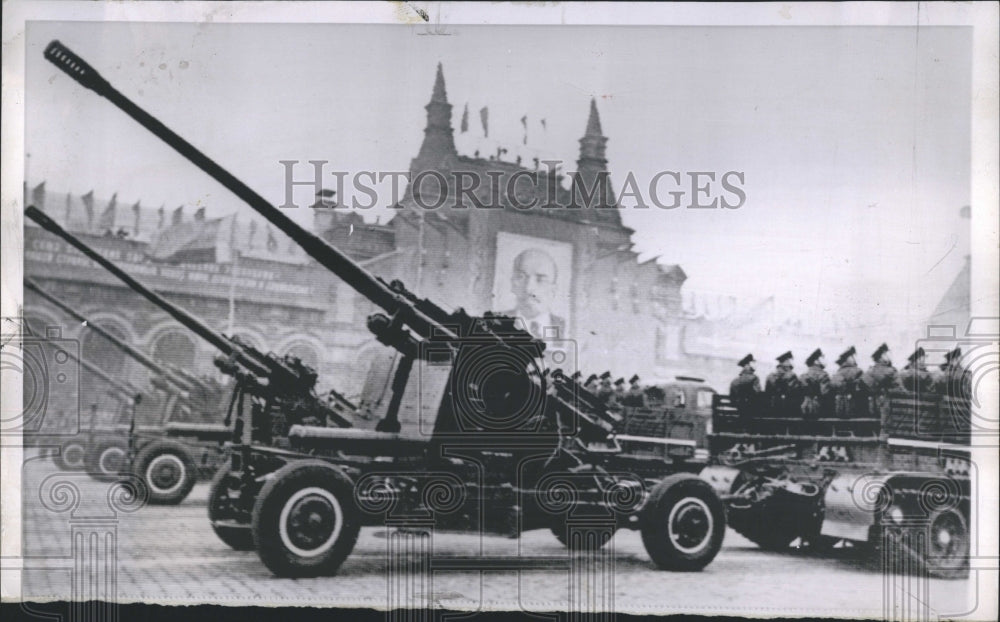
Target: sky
x=853, y=141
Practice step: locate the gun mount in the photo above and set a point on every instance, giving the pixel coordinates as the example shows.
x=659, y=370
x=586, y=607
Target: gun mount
x=482, y=384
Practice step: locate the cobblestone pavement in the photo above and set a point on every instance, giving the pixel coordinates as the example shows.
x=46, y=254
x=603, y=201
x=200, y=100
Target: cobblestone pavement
x=169, y=554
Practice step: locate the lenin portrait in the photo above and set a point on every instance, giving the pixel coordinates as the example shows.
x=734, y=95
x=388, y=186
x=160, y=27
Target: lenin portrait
x=536, y=274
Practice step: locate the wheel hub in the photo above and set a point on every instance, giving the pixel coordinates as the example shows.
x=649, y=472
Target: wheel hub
x=311, y=522
x=690, y=525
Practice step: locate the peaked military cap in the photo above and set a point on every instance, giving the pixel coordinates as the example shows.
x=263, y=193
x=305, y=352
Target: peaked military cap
x=784, y=357
x=576, y=375
x=634, y=379
x=591, y=378
x=916, y=354
x=882, y=349
x=619, y=381
x=815, y=355
x=954, y=354
x=746, y=360
x=846, y=354
x=605, y=375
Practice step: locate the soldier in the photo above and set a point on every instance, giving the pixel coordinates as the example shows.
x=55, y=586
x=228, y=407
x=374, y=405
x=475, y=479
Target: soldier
x=783, y=387
x=744, y=390
x=882, y=377
x=617, y=399
x=605, y=391
x=846, y=385
x=591, y=384
x=955, y=380
x=915, y=377
x=636, y=396
x=815, y=386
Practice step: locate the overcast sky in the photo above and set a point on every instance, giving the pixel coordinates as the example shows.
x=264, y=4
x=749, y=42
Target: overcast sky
x=854, y=141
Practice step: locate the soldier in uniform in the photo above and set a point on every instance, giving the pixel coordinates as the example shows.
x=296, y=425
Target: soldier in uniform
x=783, y=387
x=605, y=391
x=955, y=380
x=849, y=392
x=591, y=383
x=635, y=396
x=744, y=390
x=618, y=397
x=915, y=377
x=815, y=386
x=882, y=377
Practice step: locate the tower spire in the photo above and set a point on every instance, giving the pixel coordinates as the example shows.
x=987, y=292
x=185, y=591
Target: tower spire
x=439, y=141
x=591, y=185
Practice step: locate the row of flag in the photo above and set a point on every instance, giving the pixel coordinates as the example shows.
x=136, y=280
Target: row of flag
x=195, y=241
x=484, y=119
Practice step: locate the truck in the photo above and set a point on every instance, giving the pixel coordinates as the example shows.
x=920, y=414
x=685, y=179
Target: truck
x=891, y=477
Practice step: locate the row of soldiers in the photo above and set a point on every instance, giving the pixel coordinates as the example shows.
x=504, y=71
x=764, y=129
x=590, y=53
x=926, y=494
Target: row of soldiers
x=614, y=395
x=809, y=394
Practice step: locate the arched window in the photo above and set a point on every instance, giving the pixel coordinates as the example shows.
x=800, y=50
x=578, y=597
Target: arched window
x=175, y=348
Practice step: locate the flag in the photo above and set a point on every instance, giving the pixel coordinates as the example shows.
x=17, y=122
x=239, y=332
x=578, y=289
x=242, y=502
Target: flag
x=484, y=116
x=544, y=126
x=38, y=196
x=178, y=216
x=272, y=242
x=160, y=212
x=107, y=221
x=206, y=241
x=253, y=233
x=199, y=215
x=524, y=123
x=136, y=209
x=88, y=204
x=465, y=119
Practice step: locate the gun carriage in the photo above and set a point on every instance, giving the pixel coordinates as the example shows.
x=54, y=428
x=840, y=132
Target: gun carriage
x=170, y=454
x=889, y=474
x=463, y=428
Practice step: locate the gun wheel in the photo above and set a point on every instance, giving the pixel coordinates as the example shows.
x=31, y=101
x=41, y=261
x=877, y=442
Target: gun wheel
x=107, y=461
x=947, y=545
x=304, y=520
x=72, y=456
x=223, y=513
x=684, y=522
x=168, y=470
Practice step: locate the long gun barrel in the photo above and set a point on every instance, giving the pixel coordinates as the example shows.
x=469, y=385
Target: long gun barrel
x=169, y=374
x=122, y=389
x=270, y=374
x=423, y=317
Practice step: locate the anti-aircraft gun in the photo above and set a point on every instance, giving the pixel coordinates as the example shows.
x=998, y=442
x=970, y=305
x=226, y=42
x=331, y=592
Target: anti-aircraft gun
x=283, y=387
x=472, y=434
x=163, y=412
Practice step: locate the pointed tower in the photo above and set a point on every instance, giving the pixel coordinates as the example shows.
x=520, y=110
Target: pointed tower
x=591, y=184
x=439, y=141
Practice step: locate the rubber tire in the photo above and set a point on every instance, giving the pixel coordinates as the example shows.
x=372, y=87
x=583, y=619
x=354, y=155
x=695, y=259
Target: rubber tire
x=268, y=507
x=559, y=531
x=73, y=447
x=956, y=567
x=655, y=536
x=95, y=457
x=238, y=539
x=189, y=475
